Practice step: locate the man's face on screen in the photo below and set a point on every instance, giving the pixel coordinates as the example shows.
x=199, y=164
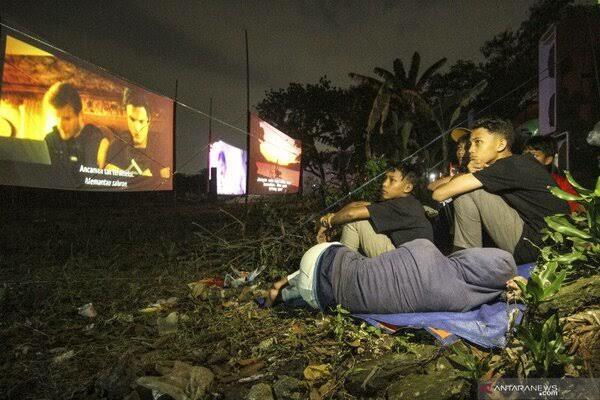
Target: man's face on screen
x=68, y=122
x=138, y=123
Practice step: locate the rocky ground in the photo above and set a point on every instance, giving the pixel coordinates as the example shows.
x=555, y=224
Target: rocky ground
x=160, y=319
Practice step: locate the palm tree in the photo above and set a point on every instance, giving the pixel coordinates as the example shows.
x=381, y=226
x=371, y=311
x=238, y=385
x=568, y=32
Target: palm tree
x=397, y=87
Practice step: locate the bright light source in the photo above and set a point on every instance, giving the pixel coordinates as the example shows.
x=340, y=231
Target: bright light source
x=432, y=176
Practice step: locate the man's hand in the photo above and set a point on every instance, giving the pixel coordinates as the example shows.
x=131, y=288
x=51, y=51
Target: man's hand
x=325, y=220
x=475, y=166
x=322, y=235
x=513, y=292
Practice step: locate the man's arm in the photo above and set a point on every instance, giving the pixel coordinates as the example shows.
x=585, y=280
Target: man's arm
x=355, y=204
x=345, y=215
x=438, y=182
x=458, y=185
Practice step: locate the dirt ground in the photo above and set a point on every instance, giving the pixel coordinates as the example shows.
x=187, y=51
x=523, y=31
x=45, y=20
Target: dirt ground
x=124, y=260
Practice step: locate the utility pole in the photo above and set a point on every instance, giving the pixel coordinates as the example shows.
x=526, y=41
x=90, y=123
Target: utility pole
x=210, y=118
x=247, y=117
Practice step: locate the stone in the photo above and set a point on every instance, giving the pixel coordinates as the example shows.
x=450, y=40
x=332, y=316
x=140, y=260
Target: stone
x=218, y=356
x=574, y=296
x=287, y=387
x=115, y=382
x=437, y=386
x=260, y=391
x=373, y=376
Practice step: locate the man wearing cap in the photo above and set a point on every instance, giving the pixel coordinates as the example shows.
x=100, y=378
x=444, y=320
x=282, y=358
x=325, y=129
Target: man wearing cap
x=415, y=277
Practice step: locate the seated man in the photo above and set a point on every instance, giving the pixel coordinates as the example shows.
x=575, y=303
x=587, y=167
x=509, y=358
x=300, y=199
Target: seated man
x=379, y=227
x=504, y=193
x=543, y=148
x=415, y=277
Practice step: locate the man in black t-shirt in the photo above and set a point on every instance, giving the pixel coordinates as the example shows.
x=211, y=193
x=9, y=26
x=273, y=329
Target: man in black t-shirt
x=375, y=228
x=505, y=194
x=138, y=150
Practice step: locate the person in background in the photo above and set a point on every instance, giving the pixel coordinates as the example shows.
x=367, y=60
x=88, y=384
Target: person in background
x=544, y=149
x=375, y=228
x=461, y=137
x=505, y=194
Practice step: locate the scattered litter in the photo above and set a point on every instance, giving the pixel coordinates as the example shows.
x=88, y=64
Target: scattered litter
x=57, y=350
x=87, y=310
x=181, y=382
x=63, y=357
x=317, y=372
x=240, y=278
x=252, y=369
x=89, y=327
x=160, y=305
x=168, y=324
x=252, y=378
x=206, y=288
x=123, y=318
x=265, y=344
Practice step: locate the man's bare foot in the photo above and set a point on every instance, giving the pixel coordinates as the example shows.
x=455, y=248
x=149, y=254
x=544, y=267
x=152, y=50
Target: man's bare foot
x=280, y=283
x=273, y=298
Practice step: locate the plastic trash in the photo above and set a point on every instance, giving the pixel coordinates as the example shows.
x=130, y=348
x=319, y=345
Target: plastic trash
x=87, y=310
x=240, y=278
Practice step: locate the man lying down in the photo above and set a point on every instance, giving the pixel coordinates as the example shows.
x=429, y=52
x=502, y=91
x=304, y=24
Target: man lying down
x=415, y=277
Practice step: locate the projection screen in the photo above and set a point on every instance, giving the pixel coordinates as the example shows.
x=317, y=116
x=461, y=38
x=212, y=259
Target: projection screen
x=230, y=163
x=274, y=160
x=65, y=124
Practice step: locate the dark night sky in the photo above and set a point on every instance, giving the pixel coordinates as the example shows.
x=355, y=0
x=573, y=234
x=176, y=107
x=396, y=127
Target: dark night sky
x=201, y=43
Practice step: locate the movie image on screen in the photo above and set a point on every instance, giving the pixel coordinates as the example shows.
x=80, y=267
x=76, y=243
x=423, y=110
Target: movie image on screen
x=230, y=163
x=274, y=163
x=65, y=124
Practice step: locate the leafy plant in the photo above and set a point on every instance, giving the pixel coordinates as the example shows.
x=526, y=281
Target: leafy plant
x=573, y=245
x=544, y=283
x=543, y=342
x=471, y=364
x=341, y=323
x=574, y=240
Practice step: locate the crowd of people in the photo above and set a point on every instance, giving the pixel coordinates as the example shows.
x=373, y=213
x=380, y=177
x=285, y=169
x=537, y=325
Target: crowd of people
x=387, y=261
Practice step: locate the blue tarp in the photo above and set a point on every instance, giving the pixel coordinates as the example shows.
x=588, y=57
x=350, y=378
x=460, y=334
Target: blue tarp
x=485, y=326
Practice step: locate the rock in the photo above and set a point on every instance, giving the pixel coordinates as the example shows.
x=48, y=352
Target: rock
x=437, y=386
x=375, y=375
x=218, y=356
x=168, y=324
x=287, y=387
x=293, y=367
x=132, y=396
x=115, y=383
x=260, y=391
x=182, y=382
x=574, y=296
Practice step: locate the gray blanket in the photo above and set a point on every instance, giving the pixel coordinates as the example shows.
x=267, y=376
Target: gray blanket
x=416, y=277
